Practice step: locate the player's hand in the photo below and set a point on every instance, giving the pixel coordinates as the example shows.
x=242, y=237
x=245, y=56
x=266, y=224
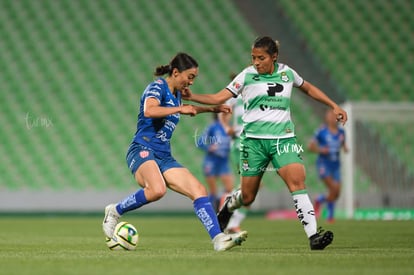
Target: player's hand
x=323, y=150
x=229, y=130
x=222, y=109
x=212, y=148
x=187, y=109
x=341, y=115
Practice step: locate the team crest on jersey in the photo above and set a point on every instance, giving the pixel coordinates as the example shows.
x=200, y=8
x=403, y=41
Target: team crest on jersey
x=143, y=154
x=245, y=165
x=284, y=77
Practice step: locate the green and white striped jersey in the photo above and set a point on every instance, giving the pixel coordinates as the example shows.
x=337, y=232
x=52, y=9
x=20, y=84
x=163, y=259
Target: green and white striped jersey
x=266, y=100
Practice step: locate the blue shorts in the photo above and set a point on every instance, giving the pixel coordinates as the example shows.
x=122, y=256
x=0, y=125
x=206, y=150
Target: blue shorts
x=138, y=154
x=215, y=166
x=329, y=170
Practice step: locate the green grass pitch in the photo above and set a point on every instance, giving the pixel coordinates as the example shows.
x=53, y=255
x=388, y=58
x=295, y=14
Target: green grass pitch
x=179, y=245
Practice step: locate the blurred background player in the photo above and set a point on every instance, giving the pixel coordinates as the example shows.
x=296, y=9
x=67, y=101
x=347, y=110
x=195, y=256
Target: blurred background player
x=216, y=143
x=327, y=142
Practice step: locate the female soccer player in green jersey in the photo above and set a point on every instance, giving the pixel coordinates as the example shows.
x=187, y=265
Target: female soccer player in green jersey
x=269, y=134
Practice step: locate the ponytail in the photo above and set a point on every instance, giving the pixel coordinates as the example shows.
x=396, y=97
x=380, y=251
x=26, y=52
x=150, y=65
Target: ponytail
x=162, y=70
x=181, y=62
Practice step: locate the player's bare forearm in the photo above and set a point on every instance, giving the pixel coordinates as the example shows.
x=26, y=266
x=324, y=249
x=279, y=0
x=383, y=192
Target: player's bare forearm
x=153, y=109
x=213, y=99
x=204, y=99
x=203, y=109
x=315, y=93
x=213, y=109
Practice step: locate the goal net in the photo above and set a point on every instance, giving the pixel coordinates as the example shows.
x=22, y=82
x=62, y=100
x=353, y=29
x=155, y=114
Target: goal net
x=378, y=170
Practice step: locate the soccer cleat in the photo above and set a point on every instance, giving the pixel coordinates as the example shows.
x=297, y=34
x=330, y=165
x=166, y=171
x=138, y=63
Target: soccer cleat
x=321, y=239
x=110, y=221
x=224, y=214
x=224, y=242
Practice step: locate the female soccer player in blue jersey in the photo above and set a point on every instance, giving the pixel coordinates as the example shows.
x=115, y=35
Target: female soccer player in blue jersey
x=149, y=155
x=327, y=142
x=269, y=134
x=216, y=164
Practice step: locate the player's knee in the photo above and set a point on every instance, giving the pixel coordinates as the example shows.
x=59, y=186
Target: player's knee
x=296, y=185
x=157, y=193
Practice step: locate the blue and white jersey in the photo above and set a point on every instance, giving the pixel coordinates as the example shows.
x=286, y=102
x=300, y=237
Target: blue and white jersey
x=334, y=141
x=155, y=133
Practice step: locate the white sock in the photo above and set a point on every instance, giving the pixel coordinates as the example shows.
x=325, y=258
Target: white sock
x=236, y=219
x=305, y=211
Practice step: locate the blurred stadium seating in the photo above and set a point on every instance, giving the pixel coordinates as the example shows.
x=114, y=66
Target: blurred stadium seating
x=366, y=45
x=72, y=72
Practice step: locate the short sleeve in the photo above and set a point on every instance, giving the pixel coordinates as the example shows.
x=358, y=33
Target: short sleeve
x=154, y=90
x=297, y=79
x=237, y=84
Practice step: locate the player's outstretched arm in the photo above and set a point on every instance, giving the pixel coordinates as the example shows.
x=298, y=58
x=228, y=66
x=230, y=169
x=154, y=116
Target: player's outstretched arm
x=320, y=96
x=213, y=109
x=153, y=109
x=213, y=99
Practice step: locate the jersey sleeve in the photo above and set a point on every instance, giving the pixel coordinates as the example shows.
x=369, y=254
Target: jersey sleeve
x=154, y=90
x=237, y=84
x=297, y=79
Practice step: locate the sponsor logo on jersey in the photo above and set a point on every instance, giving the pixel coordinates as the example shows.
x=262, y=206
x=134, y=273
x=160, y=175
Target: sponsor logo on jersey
x=162, y=136
x=265, y=107
x=256, y=77
x=274, y=88
x=236, y=85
